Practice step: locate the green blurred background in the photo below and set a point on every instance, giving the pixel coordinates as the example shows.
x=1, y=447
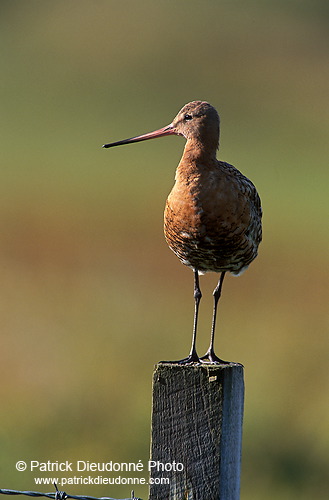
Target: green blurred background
x=91, y=297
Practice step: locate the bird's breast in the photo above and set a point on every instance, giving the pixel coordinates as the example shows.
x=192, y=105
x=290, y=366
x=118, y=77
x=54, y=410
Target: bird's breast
x=208, y=222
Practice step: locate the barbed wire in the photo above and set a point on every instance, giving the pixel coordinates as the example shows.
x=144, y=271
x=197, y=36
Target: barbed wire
x=61, y=495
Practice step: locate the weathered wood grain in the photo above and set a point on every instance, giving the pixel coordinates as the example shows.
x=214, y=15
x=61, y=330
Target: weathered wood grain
x=196, y=432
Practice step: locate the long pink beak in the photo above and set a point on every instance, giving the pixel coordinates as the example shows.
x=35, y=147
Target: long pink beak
x=168, y=130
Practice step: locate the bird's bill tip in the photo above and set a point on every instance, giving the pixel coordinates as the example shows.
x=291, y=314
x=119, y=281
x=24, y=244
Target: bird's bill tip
x=161, y=132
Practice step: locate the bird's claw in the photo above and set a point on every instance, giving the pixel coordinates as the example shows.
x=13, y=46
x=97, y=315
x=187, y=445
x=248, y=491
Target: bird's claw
x=212, y=358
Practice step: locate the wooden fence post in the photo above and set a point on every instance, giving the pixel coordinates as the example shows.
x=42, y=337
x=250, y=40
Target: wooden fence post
x=196, y=437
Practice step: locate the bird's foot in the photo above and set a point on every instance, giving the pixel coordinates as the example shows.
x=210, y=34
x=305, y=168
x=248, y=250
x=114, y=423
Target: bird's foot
x=191, y=358
x=211, y=357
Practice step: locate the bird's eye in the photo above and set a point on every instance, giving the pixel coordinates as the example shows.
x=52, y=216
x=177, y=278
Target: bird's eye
x=188, y=117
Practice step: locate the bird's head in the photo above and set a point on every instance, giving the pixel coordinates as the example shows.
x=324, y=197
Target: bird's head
x=197, y=121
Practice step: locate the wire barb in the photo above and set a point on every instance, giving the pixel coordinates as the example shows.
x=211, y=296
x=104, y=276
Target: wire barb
x=60, y=495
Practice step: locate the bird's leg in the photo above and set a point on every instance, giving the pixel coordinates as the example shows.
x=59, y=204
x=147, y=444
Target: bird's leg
x=197, y=297
x=210, y=354
x=193, y=356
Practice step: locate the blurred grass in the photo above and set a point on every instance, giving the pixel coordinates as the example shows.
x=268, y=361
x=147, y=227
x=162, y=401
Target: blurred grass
x=87, y=297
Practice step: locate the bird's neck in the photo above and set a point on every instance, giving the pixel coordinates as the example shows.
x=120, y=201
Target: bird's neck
x=200, y=151
x=196, y=161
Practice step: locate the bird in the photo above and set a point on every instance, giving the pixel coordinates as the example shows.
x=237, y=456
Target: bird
x=213, y=214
